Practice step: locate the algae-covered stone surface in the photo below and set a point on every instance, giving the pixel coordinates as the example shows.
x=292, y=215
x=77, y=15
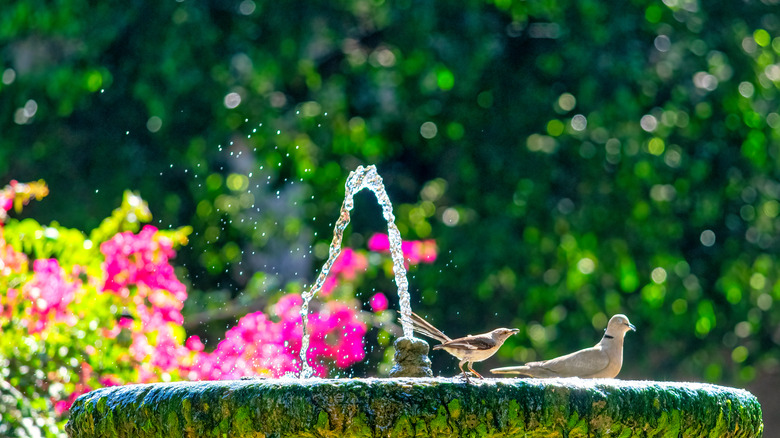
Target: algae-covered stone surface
x=419, y=407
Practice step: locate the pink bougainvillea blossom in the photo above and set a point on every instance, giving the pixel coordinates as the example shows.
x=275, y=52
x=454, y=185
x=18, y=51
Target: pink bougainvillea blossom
x=415, y=251
x=255, y=346
x=288, y=309
x=346, y=268
x=10, y=259
x=260, y=346
x=379, y=302
x=193, y=343
x=141, y=258
x=49, y=294
x=379, y=243
x=6, y=201
x=16, y=194
x=337, y=334
x=141, y=261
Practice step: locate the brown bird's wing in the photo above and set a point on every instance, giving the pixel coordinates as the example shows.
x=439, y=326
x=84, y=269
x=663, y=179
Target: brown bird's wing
x=468, y=343
x=424, y=327
x=578, y=364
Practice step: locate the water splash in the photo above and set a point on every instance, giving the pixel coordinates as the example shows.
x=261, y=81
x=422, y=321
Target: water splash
x=359, y=179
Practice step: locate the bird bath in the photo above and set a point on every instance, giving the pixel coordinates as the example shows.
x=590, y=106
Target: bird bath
x=411, y=402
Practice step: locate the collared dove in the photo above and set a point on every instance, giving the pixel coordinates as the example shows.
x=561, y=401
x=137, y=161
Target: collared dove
x=469, y=349
x=603, y=360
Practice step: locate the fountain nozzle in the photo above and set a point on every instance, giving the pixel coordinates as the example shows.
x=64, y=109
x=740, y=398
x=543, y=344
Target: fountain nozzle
x=411, y=358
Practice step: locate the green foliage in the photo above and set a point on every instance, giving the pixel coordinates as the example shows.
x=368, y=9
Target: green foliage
x=572, y=159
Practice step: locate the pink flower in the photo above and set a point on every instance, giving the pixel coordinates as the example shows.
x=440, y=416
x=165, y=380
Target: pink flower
x=140, y=350
x=166, y=353
x=337, y=334
x=346, y=267
x=49, y=294
x=125, y=322
x=194, y=344
x=142, y=261
x=18, y=194
x=110, y=380
x=329, y=285
x=379, y=302
x=62, y=406
x=379, y=243
x=289, y=306
x=10, y=259
x=256, y=346
x=415, y=251
x=350, y=263
x=6, y=201
x=259, y=346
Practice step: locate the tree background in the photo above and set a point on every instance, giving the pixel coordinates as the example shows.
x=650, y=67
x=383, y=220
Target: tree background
x=572, y=159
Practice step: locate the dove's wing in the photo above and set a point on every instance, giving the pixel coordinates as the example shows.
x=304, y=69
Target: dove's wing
x=578, y=364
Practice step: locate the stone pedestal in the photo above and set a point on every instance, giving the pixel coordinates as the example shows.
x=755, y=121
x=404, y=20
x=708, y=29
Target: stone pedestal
x=411, y=358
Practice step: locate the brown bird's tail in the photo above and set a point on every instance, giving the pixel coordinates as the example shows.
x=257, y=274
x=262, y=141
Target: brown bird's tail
x=425, y=328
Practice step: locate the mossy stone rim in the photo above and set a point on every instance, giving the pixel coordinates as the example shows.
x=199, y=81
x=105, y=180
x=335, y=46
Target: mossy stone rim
x=406, y=407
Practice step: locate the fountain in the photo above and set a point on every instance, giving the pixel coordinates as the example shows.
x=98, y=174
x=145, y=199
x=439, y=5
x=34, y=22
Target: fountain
x=408, y=364
x=410, y=402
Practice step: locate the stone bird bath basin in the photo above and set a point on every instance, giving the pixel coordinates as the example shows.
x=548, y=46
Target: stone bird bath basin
x=419, y=407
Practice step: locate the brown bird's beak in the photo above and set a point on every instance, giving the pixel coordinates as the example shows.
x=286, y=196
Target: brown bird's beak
x=631, y=326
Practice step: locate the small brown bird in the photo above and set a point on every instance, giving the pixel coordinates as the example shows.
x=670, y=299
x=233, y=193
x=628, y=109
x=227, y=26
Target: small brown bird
x=604, y=360
x=468, y=349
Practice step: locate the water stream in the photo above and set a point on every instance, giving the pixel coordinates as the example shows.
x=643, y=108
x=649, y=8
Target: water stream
x=359, y=179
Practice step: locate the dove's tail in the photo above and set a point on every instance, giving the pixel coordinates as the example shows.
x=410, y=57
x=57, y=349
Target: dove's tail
x=425, y=328
x=526, y=370
x=522, y=369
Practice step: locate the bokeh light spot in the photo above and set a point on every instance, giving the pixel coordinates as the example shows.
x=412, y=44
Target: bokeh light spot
x=567, y=101
x=555, y=127
x=232, y=100
x=247, y=7
x=662, y=43
x=445, y=79
x=656, y=146
x=746, y=89
x=586, y=265
x=450, y=217
x=579, y=122
x=154, y=124
x=707, y=238
x=658, y=275
x=762, y=37
x=648, y=123
x=428, y=130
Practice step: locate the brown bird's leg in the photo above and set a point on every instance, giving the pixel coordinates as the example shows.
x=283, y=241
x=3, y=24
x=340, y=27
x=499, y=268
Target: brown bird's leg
x=465, y=374
x=473, y=371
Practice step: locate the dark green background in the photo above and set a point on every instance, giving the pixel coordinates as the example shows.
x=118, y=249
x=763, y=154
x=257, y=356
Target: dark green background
x=558, y=227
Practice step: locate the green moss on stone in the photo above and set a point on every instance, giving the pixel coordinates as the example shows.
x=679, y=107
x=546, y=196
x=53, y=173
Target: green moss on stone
x=410, y=407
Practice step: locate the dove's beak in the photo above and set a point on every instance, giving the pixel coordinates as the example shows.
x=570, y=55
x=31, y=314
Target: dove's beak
x=631, y=326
